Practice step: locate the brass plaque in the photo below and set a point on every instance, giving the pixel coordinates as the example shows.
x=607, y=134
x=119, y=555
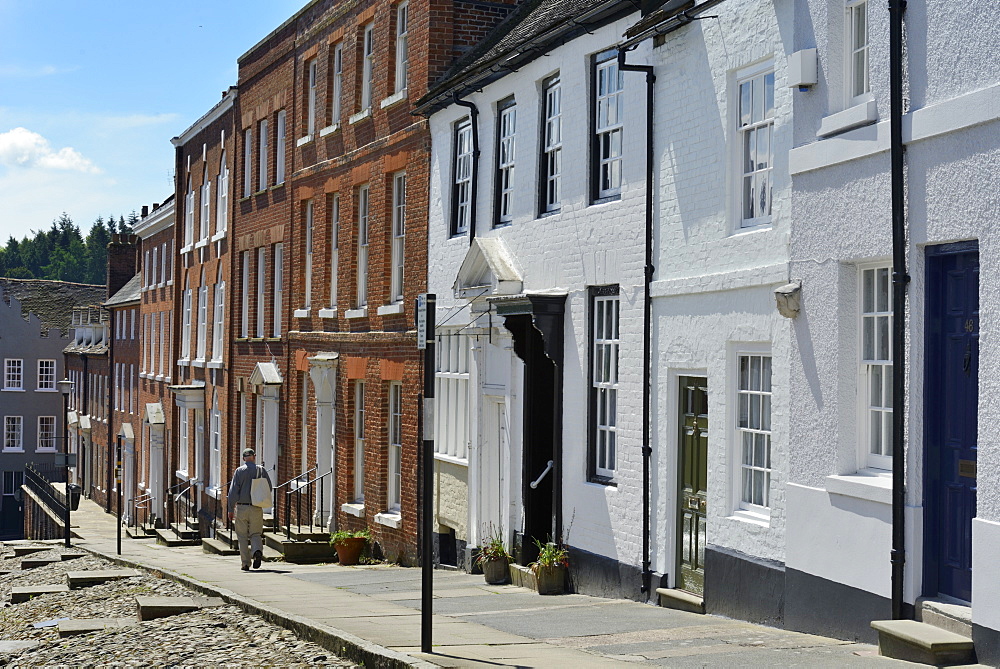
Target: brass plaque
x=693, y=503
x=967, y=468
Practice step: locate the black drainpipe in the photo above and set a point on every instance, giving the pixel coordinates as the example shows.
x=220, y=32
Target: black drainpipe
x=647, y=312
x=899, y=280
x=474, y=116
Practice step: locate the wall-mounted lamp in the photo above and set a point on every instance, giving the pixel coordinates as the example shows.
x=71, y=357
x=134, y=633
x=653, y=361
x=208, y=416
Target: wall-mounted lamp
x=802, y=69
x=789, y=299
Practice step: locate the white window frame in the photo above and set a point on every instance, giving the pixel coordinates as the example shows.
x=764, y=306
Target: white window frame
x=218, y=324
x=875, y=366
x=46, y=434
x=222, y=197
x=359, y=441
x=215, y=444
x=206, y=208
x=163, y=263
x=262, y=167
x=753, y=467
x=364, y=196
x=184, y=429
x=506, y=156
x=188, y=222
x=552, y=145
x=13, y=374
x=307, y=270
x=185, y=327
x=279, y=150
x=131, y=388
x=279, y=282
x=248, y=162
x=153, y=335
x=334, y=247
x=451, y=390
x=202, y=319
x=368, y=66
x=12, y=482
x=856, y=52
x=402, y=46
x=156, y=263
x=336, y=108
x=13, y=434
x=752, y=85
x=131, y=320
x=311, y=81
x=245, y=292
x=609, y=127
x=605, y=354
x=261, y=296
x=46, y=375
x=461, y=199
x=398, y=237
x=395, y=440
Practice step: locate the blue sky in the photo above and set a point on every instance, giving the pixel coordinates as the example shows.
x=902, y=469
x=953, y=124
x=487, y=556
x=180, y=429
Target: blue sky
x=92, y=91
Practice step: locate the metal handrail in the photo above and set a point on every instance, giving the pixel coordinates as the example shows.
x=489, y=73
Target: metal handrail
x=310, y=487
x=35, y=480
x=187, y=504
x=276, y=510
x=137, y=503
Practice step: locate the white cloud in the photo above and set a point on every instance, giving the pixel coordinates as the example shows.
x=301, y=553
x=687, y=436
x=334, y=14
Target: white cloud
x=23, y=148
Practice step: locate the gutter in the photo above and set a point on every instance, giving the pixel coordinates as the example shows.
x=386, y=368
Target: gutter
x=647, y=309
x=678, y=20
x=900, y=279
x=474, y=115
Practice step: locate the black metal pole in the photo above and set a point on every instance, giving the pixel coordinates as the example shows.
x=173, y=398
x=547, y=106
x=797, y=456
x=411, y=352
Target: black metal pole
x=427, y=548
x=899, y=280
x=118, y=484
x=68, y=532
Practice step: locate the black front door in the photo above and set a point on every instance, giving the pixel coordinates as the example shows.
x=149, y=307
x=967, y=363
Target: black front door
x=951, y=400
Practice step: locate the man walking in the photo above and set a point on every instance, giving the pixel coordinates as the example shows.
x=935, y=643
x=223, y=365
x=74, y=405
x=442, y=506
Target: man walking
x=249, y=518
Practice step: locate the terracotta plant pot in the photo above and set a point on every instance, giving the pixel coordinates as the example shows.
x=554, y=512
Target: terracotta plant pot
x=495, y=571
x=550, y=580
x=349, y=550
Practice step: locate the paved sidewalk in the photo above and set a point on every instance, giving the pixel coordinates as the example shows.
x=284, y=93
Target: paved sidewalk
x=372, y=613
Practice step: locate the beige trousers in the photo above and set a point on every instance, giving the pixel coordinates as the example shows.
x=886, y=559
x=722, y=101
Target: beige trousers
x=249, y=531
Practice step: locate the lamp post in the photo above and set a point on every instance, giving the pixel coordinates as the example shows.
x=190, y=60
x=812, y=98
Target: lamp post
x=65, y=387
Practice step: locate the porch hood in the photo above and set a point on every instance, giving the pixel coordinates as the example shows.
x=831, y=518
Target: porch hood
x=487, y=271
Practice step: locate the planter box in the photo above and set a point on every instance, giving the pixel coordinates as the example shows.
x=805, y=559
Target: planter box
x=548, y=580
x=496, y=571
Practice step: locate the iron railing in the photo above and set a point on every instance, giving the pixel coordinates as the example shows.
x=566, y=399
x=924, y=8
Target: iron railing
x=39, y=479
x=312, y=513
x=182, y=502
x=140, y=507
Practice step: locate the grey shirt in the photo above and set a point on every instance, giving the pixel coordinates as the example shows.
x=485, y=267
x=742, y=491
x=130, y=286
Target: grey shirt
x=239, y=489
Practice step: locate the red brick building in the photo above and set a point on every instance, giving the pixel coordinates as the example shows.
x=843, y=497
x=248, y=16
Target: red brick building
x=330, y=236
x=200, y=461
x=123, y=355
x=157, y=333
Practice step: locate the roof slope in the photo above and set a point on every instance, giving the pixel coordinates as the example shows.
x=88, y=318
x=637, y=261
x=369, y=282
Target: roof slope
x=534, y=28
x=130, y=292
x=51, y=301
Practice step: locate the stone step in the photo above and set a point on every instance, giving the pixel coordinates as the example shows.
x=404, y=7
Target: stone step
x=21, y=551
x=31, y=563
x=83, y=579
x=168, y=538
x=226, y=536
x=139, y=532
x=914, y=641
x=25, y=592
x=218, y=547
x=184, y=532
x=88, y=625
x=308, y=533
x=299, y=551
x=150, y=608
x=7, y=646
x=671, y=598
x=71, y=556
x=947, y=615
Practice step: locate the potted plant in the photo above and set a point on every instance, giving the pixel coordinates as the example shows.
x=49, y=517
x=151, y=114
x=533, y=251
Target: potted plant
x=550, y=568
x=349, y=544
x=493, y=557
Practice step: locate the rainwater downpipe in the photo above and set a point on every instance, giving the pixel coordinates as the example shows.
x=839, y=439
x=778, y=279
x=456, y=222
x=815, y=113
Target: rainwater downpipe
x=474, y=117
x=900, y=278
x=647, y=312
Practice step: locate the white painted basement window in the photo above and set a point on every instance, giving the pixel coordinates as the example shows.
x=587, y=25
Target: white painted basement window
x=753, y=432
x=451, y=392
x=875, y=376
x=755, y=131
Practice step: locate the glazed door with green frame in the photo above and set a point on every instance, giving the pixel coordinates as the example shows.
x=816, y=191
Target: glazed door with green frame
x=692, y=484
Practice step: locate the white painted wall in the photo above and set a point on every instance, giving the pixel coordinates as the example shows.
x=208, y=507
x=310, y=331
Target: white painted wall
x=842, y=216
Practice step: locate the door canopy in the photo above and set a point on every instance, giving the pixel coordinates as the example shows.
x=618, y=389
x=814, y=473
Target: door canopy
x=488, y=270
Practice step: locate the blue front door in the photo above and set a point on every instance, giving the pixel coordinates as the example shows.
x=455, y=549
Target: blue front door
x=951, y=398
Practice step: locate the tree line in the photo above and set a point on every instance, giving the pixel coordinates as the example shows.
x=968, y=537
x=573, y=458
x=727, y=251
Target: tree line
x=62, y=253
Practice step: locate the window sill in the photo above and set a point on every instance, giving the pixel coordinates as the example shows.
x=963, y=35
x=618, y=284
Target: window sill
x=13, y=390
x=280, y=184
x=356, y=313
x=262, y=191
x=300, y=313
x=393, y=520
x=219, y=236
x=354, y=509
x=389, y=309
x=245, y=198
x=393, y=99
x=753, y=225
x=45, y=450
x=302, y=141
x=551, y=212
x=327, y=313
x=329, y=130
x=852, y=117
x=198, y=362
x=201, y=243
x=185, y=249
x=183, y=362
x=215, y=492
x=158, y=377
x=866, y=484
x=171, y=282
x=360, y=116
x=443, y=457
x=752, y=517
x=181, y=474
x=214, y=364
x=12, y=450
x=603, y=481
x=46, y=390
x=607, y=198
